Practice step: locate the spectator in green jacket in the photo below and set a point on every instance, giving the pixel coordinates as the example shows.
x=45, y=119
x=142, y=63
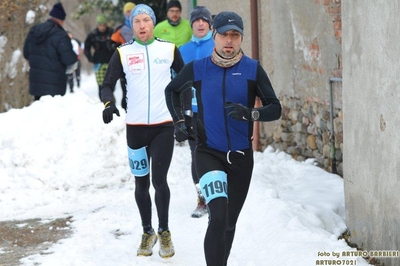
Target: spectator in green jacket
x=175, y=28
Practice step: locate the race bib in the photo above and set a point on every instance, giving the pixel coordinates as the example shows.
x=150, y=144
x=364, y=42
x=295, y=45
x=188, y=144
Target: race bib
x=138, y=162
x=214, y=185
x=136, y=63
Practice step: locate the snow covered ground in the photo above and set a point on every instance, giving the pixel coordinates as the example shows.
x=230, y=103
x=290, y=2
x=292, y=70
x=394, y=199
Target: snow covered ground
x=58, y=159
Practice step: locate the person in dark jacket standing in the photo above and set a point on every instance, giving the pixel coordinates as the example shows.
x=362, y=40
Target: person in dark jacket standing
x=49, y=51
x=99, y=48
x=227, y=83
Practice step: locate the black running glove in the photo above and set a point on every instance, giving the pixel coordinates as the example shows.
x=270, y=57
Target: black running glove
x=184, y=131
x=109, y=110
x=238, y=111
x=188, y=121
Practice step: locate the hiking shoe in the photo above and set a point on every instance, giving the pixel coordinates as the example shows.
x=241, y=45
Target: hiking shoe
x=166, y=247
x=147, y=244
x=201, y=208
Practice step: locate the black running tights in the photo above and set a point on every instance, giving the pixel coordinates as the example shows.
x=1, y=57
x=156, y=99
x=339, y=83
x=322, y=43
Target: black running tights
x=159, y=143
x=224, y=213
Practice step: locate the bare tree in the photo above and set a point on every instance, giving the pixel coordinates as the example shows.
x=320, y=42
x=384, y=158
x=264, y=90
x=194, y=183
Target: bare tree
x=14, y=68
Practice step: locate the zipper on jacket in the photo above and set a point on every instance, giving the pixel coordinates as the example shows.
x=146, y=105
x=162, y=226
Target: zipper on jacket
x=148, y=84
x=228, y=139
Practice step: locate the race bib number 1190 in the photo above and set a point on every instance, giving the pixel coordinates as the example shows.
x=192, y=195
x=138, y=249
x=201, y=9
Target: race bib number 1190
x=214, y=185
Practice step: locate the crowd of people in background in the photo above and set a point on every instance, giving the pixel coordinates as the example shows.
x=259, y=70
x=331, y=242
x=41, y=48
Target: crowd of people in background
x=98, y=47
x=181, y=80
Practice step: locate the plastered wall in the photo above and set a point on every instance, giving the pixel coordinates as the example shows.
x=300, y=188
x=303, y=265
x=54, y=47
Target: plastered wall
x=300, y=48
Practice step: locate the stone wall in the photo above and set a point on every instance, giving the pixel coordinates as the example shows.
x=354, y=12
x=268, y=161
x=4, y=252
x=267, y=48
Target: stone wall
x=305, y=132
x=306, y=125
x=300, y=48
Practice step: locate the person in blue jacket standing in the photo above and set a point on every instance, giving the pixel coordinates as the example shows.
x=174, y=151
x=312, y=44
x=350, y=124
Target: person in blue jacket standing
x=227, y=83
x=200, y=46
x=49, y=51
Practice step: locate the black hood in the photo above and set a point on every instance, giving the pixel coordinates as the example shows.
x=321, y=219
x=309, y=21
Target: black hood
x=41, y=31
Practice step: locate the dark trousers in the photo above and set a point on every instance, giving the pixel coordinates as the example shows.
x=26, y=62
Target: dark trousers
x=224, y=213
x=159, y=143
x=77, y=75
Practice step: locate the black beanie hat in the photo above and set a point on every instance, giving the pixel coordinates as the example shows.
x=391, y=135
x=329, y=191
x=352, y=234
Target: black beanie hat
x=58, y=11
x=174, y=3
x=200, y=12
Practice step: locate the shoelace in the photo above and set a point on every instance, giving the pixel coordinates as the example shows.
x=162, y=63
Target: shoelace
x=165, y=239
x=145, y=241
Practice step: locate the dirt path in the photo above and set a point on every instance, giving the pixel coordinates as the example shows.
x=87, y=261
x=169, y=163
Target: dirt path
x=20, y=239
